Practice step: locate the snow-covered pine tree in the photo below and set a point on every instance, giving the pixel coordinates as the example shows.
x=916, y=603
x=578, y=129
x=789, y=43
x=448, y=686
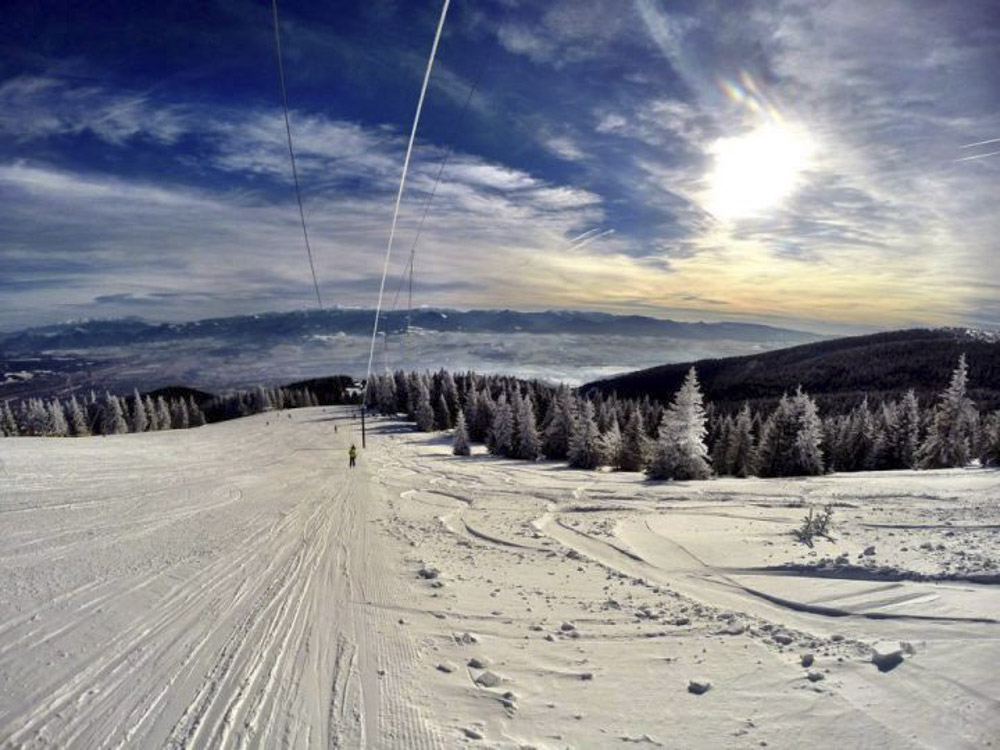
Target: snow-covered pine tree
x=442, y=415
x=8, y=422
x=989, y=447
x=196, y=417
x=114, y=417
x=450, y=392
x=777, y=441
x=413, y=384
x=900, y=433
x=57, y=426
x=720, y=445
x=140, y=420
x=585, y=440
x=423, y=412
x=150, y=408
x=385, y=395
x=400, y=389
x=611, y=443
x=635, y=443
x=791, y=439
x=740, y=450
x=180, y=419
x=680, y=451
x=259, y=401
x=860, y=452
x=948, y=441
x=808, y=453
x=460, y=442
x=162, y=414
x=470, y=413
x=529, y=446
x=559, y=424
x=602, y=414
x=77, y=418
x=485, y=410
x=514, y=397
x=501, y=435
x=34, y=418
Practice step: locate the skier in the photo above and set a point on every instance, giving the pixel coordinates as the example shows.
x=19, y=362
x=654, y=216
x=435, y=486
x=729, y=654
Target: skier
x=352, y=454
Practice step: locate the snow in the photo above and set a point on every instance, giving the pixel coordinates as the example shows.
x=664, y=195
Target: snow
x=235, y=585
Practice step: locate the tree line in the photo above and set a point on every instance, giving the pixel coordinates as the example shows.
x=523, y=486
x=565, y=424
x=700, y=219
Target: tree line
x=111, y=414
x=689, y=439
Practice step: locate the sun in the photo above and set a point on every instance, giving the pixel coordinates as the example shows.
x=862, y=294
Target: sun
x=756, y=172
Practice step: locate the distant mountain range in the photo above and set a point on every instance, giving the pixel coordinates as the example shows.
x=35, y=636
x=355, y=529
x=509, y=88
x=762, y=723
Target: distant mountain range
x=286, y=326
x=837, y=372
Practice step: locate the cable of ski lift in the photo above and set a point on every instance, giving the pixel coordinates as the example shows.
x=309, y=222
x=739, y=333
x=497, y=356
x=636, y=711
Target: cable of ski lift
x=395, y=213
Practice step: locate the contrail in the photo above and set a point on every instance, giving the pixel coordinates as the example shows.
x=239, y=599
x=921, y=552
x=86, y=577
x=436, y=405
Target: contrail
x=584, y=236
x=591, y=239
x=980, y=156
x=981, y=143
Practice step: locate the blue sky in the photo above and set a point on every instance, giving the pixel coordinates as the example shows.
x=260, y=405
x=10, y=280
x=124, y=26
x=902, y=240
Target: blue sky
x=827, y=165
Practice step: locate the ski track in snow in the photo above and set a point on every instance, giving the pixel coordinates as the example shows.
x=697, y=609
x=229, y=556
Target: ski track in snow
x=237, y=586
x=210, y=591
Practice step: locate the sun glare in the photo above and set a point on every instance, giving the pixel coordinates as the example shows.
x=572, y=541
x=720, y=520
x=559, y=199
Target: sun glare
x=757, y=171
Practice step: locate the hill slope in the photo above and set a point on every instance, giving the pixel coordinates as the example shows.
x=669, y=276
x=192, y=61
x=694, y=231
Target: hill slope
x=839, y=371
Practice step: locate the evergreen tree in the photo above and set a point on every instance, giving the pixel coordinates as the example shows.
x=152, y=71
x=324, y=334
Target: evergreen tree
x=611, y=444
x=449, y=391
x=740, y=448
x=559, y=425
x=460, y=443
x=151, y=412
x=680, y=451
x=720, y=445
x=861, y=449
x=501, y=436
x=8, y=422
x=34, y=418
x=989, y=448
x=585, y=440
x=485, y=411
x=808, y=453
x=179, y=417
x=140, y=420
x=470, y=414
x=385, y=395
x=442, y=415
x=196, y=418
x=948, y=441
x=528, y=444
x=413, y=385
x=77, y=419
x=790, y=441
x=635, y=443
x=902, y=431
x=114, y=417
x=423, y=411
x=162, y=414
x=57, y=426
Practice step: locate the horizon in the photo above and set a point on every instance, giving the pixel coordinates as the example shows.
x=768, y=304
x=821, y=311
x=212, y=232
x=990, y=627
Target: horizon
x=826, y=167
x=134, y=317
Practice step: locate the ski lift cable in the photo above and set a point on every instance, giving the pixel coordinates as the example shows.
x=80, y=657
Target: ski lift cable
x=399, y=196
x=291, y=152
x=408, y=268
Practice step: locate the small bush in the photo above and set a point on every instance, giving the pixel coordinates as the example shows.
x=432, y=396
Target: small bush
x=815, y=524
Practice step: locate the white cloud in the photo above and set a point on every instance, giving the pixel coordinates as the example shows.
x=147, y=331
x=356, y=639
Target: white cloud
x=34, y=107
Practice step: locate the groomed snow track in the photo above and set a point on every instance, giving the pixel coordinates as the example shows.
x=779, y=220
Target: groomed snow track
x=217, y=587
